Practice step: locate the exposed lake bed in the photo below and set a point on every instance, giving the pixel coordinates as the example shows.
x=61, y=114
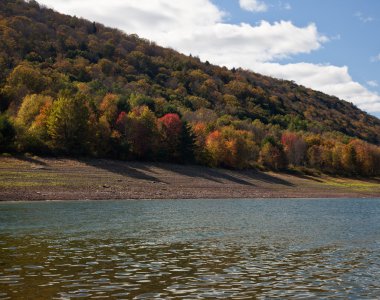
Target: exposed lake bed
x=230, y=249
x=38, y=178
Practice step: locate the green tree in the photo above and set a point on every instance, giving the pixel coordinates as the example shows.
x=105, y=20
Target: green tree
x=23, y=80
x=142, y=133
x=68, y=124
x=7, y=133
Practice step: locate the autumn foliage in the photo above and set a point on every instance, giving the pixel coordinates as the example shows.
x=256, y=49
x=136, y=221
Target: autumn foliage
x=74, y=87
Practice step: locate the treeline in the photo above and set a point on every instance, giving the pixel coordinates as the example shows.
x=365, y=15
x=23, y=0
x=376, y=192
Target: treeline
x=70, y=86
x=135, y=128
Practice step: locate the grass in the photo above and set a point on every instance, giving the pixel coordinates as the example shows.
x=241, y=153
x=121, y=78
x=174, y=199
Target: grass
x=353, y=184
x=19, y=184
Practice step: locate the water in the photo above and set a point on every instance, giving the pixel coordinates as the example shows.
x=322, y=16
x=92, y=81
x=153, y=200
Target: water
x=193, y=249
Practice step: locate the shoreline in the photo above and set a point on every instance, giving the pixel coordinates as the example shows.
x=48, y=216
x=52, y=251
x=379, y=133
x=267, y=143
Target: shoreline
x=199, y=199
x=61, y=179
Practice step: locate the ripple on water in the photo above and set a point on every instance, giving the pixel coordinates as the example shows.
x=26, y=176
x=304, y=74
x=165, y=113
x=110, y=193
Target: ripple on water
x=226, y=273
x=209, y=257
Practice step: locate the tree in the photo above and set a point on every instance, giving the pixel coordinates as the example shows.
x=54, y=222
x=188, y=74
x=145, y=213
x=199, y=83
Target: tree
x=141, y=100
x=231, y=148
x=24, y=80
x=142, y=133
x=188, y=146
x=31, y=123
x=200, y=132
x=294, y=147
x=365, y=157
x=314, y=156
x=30, y=108
x=68, y=124
x=109, y=108
x=349, y=161
x=215, y=146
x=7, y=133
x=272, y=156
x=170, y=127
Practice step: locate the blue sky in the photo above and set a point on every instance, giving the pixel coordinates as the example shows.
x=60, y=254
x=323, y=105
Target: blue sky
x=351, y=25
x=328, y=45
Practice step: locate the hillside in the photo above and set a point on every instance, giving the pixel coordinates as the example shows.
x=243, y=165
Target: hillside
x=70, y=86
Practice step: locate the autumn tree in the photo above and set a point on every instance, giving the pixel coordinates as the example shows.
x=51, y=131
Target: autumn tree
x=142, y=133
x=30, y=109
x=31, y=128
x=108, y=109
x=232, y=148
x=272, y=155
x=23, y=80
x=67, y=124
x=294, y=147
x=349, y=159
x=215, y=146
x=170, y=127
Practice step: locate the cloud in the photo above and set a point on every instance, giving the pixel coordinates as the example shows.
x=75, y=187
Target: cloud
x=329, y=79
x=199, y=27
x=253, y=5
x=375, y=58
x=285, y=6
x=363, y=18
x=372, y=83
x=240, y=45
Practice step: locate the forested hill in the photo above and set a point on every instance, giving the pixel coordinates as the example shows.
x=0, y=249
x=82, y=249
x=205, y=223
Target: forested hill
x=72, y=86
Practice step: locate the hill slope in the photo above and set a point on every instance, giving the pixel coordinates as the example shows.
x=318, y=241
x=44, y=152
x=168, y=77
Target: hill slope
x=68, y=85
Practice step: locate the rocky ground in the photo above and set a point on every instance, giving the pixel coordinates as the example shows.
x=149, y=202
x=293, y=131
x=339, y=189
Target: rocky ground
x=35, y=178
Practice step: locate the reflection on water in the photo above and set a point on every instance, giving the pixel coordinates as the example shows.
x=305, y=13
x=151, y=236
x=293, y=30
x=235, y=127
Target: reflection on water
x=238, y=249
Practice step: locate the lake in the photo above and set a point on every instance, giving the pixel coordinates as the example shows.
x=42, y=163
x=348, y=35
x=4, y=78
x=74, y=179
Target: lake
x=191, y=249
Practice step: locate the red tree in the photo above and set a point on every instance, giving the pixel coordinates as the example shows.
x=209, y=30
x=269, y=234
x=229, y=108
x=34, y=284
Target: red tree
x=170, y=126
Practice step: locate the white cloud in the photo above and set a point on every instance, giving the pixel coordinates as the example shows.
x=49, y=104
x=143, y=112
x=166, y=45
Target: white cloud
x=253, y=5
x=363, y=18
x=199, y=27
x=285, y=6
x=375, y=58
x=372, y=83
x=329, y=79
x=241, y=45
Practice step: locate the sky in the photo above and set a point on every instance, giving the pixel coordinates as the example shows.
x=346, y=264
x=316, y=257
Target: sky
x=328, y=45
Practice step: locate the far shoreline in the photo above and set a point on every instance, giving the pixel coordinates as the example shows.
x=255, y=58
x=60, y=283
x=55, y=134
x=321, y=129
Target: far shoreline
x=188, y=199
x=65, y=179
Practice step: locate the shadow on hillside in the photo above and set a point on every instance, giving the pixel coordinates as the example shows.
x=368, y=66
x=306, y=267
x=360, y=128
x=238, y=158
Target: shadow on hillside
x=215, y=175
x=265, y=177
x=144, y=171
x=375, y=180
x=218, y=175
x=31, y=160
x=122, y=168
x=304, y=176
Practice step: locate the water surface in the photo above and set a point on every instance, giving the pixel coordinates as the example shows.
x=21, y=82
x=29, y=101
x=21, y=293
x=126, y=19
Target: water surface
x=191, y=249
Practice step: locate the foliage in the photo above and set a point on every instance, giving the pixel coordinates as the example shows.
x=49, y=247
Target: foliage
x=72, y=86
x=142, y=132
x=7, y=133
x=273, y=156
x=67, y=124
